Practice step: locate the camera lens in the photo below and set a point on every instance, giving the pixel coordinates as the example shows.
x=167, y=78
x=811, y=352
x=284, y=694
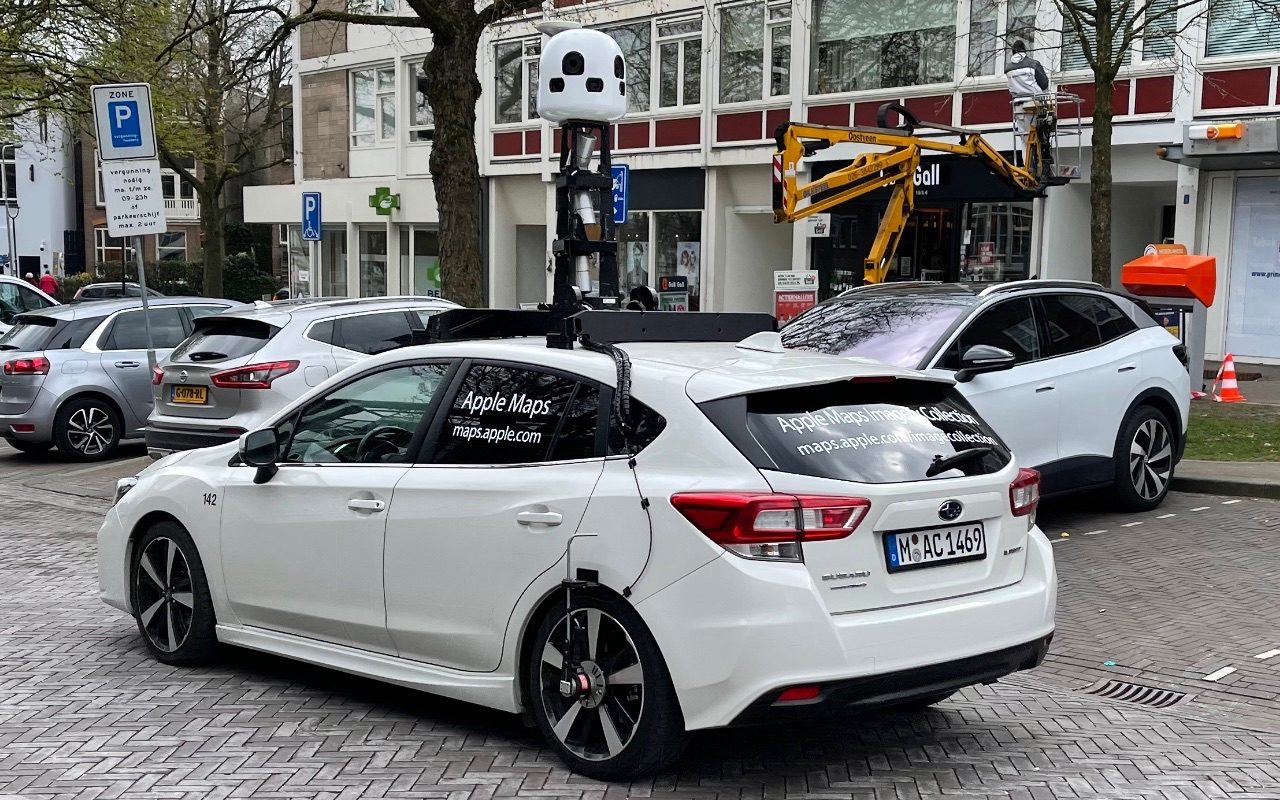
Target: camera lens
x=617, y=67
x=572, y=63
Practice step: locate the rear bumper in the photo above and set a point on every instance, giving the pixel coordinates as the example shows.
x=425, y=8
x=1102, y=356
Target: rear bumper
x=34, y=423
x=161, y=441
x=893, y=688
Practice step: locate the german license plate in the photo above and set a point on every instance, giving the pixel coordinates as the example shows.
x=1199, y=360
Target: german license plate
x=192, y=395
x=933, y=546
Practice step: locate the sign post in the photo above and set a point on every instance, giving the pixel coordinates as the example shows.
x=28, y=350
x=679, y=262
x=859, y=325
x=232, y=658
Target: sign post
x=621, y=190
x=130, y=174
x=312, y=229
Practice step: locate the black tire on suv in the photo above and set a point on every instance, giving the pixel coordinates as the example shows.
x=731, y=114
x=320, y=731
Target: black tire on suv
x=87, y=429
x=1144, y=459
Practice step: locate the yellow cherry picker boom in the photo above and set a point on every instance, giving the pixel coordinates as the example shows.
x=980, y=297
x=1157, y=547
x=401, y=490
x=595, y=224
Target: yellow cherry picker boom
x=793, y=200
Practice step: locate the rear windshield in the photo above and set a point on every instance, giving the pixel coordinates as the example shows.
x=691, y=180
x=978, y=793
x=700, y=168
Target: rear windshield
x=29, y=334
x=865, y=432
x=900, y=331
x=222, y=339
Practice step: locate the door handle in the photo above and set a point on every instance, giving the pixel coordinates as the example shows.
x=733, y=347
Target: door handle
x=1127, y=368
x=361, y=504
x=1048, y=387
x=128, y=364
x=539, y=518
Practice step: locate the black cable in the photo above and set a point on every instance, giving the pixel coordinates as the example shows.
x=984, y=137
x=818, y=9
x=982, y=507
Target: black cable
x=622, y=412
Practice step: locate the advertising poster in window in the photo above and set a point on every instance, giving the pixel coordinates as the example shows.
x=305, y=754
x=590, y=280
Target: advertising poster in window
x=1253, y=316
x=426, y=275
x=687, y=260
x=635, y=265
x=673, y=293
x=793, y=292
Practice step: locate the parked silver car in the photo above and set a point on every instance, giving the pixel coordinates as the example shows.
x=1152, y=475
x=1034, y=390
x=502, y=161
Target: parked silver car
x=239, y=368
x=76, y=375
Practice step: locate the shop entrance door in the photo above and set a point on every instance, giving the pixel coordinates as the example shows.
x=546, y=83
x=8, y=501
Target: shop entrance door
x=926, y=250
x=1253, y=316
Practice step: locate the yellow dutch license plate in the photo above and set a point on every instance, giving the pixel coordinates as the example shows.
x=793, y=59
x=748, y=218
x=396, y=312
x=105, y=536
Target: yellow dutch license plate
x=195, y=395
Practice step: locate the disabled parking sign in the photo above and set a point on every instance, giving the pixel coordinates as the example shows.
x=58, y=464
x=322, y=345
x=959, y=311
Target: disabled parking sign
x=123, y=122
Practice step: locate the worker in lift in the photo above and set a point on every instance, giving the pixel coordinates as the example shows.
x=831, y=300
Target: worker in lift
x=1026, y=78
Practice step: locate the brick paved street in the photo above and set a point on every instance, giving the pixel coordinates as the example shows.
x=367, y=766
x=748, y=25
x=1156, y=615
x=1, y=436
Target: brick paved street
x=84, y=712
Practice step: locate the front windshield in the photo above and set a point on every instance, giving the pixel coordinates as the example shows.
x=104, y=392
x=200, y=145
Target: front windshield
x=900, y=331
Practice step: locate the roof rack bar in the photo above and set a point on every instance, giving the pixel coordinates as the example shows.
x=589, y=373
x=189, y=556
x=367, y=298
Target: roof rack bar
x=461, y=324
x=1038, y=283
x=609, y=327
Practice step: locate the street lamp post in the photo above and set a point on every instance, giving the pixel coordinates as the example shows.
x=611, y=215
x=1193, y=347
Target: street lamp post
x=10, y=217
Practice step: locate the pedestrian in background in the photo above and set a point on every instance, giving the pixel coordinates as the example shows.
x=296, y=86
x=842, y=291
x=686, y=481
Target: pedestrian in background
x=48, y=283
x=283, y=294
x=31, y=279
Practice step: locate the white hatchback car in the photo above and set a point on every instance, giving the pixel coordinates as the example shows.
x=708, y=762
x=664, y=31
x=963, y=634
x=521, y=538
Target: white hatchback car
x=741, y=534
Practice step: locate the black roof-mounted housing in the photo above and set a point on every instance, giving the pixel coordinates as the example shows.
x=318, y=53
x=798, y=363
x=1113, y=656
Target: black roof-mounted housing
x=601, y=327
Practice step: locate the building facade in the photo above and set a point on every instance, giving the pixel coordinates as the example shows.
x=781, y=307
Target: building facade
x=708, y=83
x=37, y=196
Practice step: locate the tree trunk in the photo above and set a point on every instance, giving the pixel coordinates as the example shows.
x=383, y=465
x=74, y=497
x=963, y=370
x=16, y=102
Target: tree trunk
x=213, y=218
x=1100, y=182
x=452, y=89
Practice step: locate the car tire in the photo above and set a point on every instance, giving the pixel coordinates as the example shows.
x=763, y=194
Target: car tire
x=614, y=730
x=1144, y=460
x=87, y=429
x=170, y=597
x=30, y=448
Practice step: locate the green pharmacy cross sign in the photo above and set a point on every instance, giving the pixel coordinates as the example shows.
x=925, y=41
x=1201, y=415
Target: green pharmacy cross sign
x=382, y=201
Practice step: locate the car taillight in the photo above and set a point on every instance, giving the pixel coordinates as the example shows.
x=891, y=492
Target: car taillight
x=27, y=366
x=254, y=376
x=157, y=376
x=770, y=526
x=1024, y=492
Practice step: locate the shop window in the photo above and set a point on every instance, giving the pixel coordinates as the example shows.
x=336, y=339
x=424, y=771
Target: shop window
x=109, y=249
x=373, y=262
x=1237, y=27
x=653, y=245
x=422, y=122
x=373, y=106
x=997, y=241
x=516, y=92
x=875, y=44
x=420, y=260
x=171, y=246
x=633, y=251
x=634, y=40
x=987, y=46
x=679, y=62
x=333, y=257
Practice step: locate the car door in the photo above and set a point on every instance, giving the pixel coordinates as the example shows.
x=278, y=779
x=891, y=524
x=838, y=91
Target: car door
x=124, y=354
x=1021, y=403
x=316, y=569
x=361, y=335
x=504, y=483
x=1099, y=368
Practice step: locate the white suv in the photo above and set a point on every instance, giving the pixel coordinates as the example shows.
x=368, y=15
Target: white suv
x=740, y=534
x=1081, y=381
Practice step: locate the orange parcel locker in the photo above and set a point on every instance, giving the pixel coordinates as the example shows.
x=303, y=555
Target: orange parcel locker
x=1172, y=275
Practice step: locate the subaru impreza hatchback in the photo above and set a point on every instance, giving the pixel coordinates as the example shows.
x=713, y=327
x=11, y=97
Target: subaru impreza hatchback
x=731, y=533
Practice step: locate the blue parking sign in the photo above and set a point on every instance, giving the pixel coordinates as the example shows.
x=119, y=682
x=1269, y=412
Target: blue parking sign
x=125, y=122
x=311, y=221
x=621, y=184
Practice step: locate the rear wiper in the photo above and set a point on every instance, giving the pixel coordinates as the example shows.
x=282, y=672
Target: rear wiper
x=207, y=355
x=8, y=347
x=941, y=464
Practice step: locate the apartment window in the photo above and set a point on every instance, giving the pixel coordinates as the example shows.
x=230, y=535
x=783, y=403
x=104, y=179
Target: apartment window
x=1237, y=27
x=679, y=63
x=8, y=160
x=171, y=246
x=1160, y=29
x=516, y=98
x=1073, y=57
x=755, y=42
x=110, y=249
x=987, y=45
x=636, y=41
x=384, y=6
x=876, y=44
x=422, y=122
x=373, y=106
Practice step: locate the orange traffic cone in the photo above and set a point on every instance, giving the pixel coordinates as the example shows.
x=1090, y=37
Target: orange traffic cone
x=1230, y=390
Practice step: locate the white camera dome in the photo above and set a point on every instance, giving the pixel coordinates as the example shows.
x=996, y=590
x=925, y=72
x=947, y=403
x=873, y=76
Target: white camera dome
x=582, y=76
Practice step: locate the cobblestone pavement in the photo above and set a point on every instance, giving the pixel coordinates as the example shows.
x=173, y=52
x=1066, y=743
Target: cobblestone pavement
x=84, y=712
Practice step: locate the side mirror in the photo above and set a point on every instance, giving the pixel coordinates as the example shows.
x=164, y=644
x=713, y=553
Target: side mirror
x=983, y=358
x=258, y=449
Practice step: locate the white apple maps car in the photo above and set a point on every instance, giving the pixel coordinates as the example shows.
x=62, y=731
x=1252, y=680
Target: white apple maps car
x=625, y=546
